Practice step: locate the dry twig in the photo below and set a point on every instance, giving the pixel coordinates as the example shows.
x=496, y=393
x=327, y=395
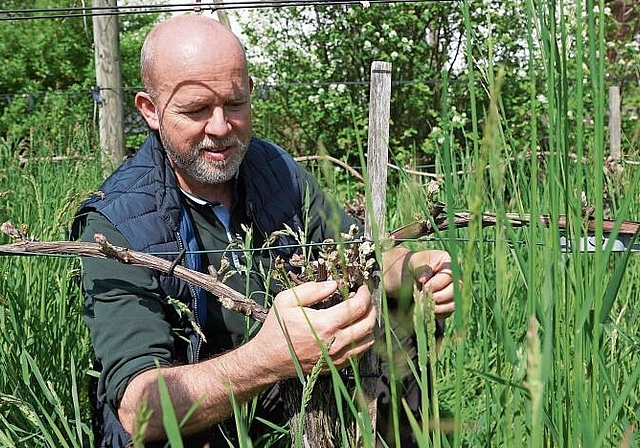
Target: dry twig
x=440, y=223
x=228, y=297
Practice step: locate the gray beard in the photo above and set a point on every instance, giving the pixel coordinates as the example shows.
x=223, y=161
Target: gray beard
x=202, y=171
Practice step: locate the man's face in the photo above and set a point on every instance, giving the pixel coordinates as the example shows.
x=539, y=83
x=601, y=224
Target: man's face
x=205, y=121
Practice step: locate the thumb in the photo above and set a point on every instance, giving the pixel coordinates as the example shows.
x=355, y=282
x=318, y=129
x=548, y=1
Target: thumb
x=307, y=294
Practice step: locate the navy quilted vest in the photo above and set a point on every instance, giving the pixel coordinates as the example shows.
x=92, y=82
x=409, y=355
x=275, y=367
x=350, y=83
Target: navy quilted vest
x=142, y=200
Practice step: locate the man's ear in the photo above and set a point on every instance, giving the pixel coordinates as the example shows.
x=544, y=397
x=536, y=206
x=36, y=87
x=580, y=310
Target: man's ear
x=250, y=84
x=145, y=105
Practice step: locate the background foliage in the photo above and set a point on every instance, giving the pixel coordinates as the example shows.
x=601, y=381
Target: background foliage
x=47, y=73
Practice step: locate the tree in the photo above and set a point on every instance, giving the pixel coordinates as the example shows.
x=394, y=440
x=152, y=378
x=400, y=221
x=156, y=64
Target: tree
x=312, y=67
x=47, y=64
x=48, y=71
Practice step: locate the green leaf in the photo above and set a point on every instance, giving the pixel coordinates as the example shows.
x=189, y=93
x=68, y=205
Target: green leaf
x=169, y=419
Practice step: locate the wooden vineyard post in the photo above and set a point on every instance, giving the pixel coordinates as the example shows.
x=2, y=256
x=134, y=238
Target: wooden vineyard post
x=615, y=123
x=221, y=12
x=108, y=90
x=377, y=159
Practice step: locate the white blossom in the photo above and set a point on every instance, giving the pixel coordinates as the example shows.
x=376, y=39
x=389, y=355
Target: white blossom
x=433, y=187
x=366, y=248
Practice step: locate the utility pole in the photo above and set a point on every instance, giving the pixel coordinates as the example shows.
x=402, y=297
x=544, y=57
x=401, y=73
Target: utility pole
x=108, y=90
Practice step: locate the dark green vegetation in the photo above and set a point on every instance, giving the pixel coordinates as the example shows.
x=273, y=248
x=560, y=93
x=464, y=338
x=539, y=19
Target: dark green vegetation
x=519, y=123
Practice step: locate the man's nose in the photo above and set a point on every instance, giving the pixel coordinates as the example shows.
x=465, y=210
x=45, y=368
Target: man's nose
x=217, y=124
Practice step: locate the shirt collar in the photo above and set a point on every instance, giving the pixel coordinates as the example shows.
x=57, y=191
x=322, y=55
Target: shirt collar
x=198, y=200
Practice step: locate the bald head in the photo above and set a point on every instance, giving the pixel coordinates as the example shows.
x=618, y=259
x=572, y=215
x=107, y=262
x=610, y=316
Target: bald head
x=182, y=42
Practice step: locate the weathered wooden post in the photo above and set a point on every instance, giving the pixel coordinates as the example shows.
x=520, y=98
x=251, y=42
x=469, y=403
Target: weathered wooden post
x=314, y=420
x=377, y=160
x=615, y=123
x=108, y=92
x=221, y=12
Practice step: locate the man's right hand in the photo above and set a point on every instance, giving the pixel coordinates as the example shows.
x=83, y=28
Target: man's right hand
x=347, y=328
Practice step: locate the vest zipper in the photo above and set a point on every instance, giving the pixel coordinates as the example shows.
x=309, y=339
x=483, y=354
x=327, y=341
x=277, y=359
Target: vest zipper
x=194, y=308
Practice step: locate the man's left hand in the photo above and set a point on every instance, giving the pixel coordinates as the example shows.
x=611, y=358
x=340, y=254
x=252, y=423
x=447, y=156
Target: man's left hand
x=429, y=268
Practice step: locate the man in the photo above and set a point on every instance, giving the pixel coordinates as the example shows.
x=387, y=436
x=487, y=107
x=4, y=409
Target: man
x=197, y=181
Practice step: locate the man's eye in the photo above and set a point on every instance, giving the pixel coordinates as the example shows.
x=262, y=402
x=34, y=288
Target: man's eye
x=236, y=106
x=194, y=112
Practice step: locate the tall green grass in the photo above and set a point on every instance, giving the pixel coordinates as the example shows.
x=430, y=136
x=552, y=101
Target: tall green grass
x=44, y=345
x=542, y=349
x=509, y=382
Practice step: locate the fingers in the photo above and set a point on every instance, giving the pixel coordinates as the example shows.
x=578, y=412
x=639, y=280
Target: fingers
x=352, y=350
x=440, y=281
x=306, y=294
x=353, y=309
x=346, y=328
x=349, y=324
x=433, y=270
x=427, y=263
x=340, y=315
x=444, y=303
x=357, y=331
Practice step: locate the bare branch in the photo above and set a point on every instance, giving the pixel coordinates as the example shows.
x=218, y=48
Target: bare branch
x=227, y=296
x=338, y=162
x=440, y=222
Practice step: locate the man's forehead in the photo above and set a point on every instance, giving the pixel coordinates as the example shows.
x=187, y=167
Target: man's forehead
x=186, y=48
x=181, y=67
x=203, y=89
